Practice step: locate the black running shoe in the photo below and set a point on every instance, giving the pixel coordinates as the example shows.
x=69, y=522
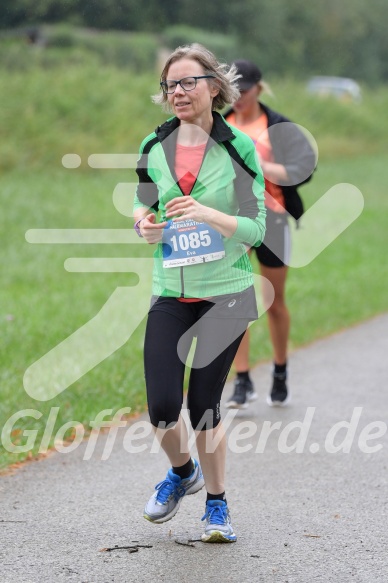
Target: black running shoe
x=279, y=395
x=244, y=392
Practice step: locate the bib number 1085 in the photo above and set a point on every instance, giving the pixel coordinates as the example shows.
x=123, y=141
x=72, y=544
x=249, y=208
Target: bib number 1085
x=187, y=243
x=191, y=241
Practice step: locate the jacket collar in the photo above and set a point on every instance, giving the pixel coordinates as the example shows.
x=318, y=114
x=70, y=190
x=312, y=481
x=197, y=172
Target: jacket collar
x=272, y=116
x=220, y=132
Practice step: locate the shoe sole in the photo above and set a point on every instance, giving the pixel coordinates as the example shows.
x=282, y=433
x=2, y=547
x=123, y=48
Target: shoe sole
x=164, y=518
x=218, y=537
x=234, y=405
x=193, y=490
x=279, y=403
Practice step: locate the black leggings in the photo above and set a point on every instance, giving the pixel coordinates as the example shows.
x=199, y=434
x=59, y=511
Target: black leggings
x=170, y=330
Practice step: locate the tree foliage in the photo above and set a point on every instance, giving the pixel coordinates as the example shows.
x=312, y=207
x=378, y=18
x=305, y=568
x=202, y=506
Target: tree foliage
x=338, y=37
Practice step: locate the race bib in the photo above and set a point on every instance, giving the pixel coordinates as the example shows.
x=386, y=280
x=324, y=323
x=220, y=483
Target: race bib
x=187, y=242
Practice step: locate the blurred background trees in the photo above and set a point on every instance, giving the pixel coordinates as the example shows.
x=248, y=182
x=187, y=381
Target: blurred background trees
x=324, y=37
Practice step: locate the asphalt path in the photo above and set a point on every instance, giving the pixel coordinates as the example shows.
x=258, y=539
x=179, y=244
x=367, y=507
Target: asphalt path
x=307, y=486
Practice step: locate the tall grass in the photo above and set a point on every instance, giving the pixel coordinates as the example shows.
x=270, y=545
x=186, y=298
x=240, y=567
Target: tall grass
x=80, y=109
x=89, y=109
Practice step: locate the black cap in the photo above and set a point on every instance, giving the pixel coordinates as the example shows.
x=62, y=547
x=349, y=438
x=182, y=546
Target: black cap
x=250, y=74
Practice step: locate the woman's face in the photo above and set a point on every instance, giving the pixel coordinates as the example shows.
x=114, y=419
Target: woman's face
x=195, y=105
x=247, y=99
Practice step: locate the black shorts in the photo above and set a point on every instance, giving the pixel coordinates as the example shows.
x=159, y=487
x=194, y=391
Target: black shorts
x=276, y=247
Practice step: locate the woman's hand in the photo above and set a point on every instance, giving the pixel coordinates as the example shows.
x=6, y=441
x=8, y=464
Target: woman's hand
x=150, y=230
x=275, y=173
x=186, y=207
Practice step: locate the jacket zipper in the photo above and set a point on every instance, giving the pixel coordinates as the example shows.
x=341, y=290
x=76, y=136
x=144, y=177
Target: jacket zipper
x=192, y=188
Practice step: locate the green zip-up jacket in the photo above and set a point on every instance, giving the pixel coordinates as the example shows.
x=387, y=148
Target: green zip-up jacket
x=230, y=180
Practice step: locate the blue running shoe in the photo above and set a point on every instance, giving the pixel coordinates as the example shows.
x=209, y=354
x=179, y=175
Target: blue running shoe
x=218, y=526
x=165, y=502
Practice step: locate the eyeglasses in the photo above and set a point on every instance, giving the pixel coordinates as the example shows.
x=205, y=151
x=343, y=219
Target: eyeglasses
x=187, y=83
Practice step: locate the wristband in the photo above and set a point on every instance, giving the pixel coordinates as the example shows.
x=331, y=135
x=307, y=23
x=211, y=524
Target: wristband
x=137, y=227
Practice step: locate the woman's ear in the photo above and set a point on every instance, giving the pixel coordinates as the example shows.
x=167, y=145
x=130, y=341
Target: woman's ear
x=215, y=87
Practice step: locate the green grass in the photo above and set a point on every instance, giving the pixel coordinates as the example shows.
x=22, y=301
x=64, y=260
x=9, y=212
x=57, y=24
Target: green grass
x=42, y=304
x=88, y=109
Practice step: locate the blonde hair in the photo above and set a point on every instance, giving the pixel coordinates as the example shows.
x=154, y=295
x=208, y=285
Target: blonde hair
x=225, y=76
x=265, y=88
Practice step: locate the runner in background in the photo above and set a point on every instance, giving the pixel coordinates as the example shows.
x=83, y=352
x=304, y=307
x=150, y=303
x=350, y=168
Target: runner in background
x=200, y=201
x=287, y=160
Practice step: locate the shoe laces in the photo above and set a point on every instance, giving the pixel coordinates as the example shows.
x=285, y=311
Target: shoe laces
x=216, y=514
x=166, y=488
